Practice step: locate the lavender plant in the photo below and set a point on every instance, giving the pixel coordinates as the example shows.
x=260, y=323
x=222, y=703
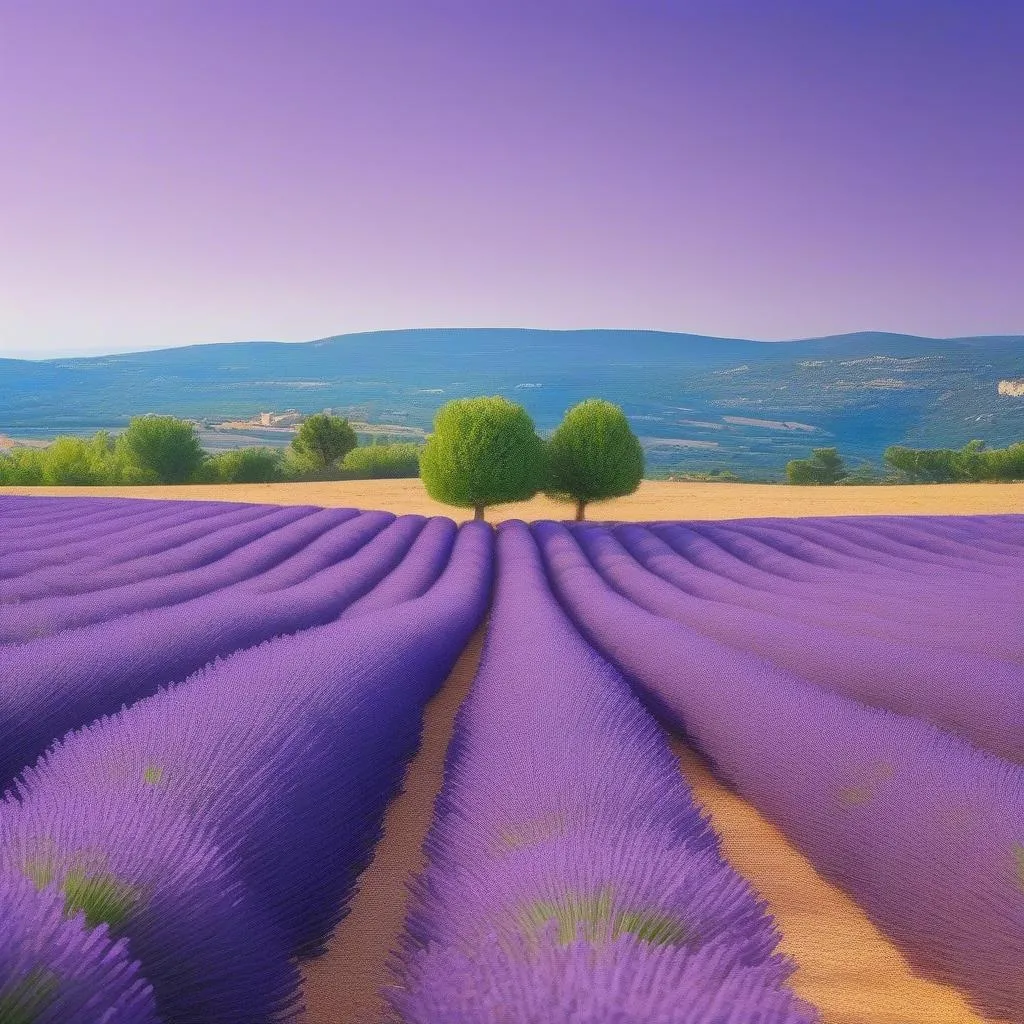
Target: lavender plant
x=56, y=969
x=220, y=825
x=924, y=830
x=977, y=697
x=569, y=868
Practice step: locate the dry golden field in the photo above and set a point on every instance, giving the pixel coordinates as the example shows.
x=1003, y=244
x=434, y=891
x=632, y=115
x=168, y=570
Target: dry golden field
x=653, y=501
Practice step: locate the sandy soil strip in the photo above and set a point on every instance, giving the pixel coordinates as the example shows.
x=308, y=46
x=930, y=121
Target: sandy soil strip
x=342, y=986
x=847, y=967
x=655, y=499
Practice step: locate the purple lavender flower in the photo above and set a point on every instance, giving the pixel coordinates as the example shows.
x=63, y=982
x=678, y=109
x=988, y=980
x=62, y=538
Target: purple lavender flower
x=56, y=969
x=924, y=830
x=569, y=867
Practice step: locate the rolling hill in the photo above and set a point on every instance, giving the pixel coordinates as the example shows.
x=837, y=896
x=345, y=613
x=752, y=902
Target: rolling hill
x=696, y=401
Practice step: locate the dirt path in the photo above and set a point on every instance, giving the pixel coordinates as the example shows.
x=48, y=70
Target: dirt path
x=655, y=499
x=341, y=987
x=847, y=968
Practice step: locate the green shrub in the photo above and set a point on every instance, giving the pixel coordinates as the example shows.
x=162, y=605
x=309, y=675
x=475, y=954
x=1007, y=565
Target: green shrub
x=593, y=455
x=382, y=461
x=22, y=467
x=71, y=461
x=160, y=449
x=242, y=466
x=825, y=466
x=1007, y=463
x=483, y=451
x=323, y=440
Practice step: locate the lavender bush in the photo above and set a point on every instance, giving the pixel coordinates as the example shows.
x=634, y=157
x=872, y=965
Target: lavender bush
x=124, y=861
x=978, y=697
x=921, y=828
x=570, y=872
x=220, y=825
x=56, y=970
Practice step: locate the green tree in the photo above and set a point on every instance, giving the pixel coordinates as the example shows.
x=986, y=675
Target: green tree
x=593, y=455
x=1007, y=463
x=483, y=451
x=163, y=448
x=972, y=462
x=323, y=440
x=825, y=466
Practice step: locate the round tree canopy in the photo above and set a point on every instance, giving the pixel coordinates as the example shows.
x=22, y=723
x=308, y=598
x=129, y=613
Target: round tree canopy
x=483, y=451
x=593, y=455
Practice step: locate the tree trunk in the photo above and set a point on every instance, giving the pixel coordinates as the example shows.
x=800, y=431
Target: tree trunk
x=478, y=511
x=580, y=505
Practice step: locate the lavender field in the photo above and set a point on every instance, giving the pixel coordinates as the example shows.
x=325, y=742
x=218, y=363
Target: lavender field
x=207, y=708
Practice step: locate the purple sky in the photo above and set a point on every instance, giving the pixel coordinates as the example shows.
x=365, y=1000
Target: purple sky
x=198, y=170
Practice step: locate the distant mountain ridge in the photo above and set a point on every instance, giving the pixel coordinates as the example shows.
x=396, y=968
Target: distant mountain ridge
x=700, y=401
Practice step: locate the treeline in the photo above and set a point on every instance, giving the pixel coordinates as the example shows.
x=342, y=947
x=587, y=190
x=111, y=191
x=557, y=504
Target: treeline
x=483, y=452
x=167, y=450
x=974, y=463
x=971, y=464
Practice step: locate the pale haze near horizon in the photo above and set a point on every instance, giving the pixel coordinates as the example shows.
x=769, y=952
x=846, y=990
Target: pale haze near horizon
x=191, y=175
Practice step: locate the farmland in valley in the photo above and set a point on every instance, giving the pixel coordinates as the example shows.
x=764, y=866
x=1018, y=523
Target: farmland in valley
x=280, y=758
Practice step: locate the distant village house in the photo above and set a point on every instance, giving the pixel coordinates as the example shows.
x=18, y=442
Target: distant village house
x=285, y=419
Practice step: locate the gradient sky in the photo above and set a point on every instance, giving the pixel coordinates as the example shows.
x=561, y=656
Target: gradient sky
x=196, y=170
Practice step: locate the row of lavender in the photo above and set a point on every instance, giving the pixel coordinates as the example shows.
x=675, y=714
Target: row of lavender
x=571, y=876
x=170, y=861
x=56, y=682
x=932, y=654
x=861, y=684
